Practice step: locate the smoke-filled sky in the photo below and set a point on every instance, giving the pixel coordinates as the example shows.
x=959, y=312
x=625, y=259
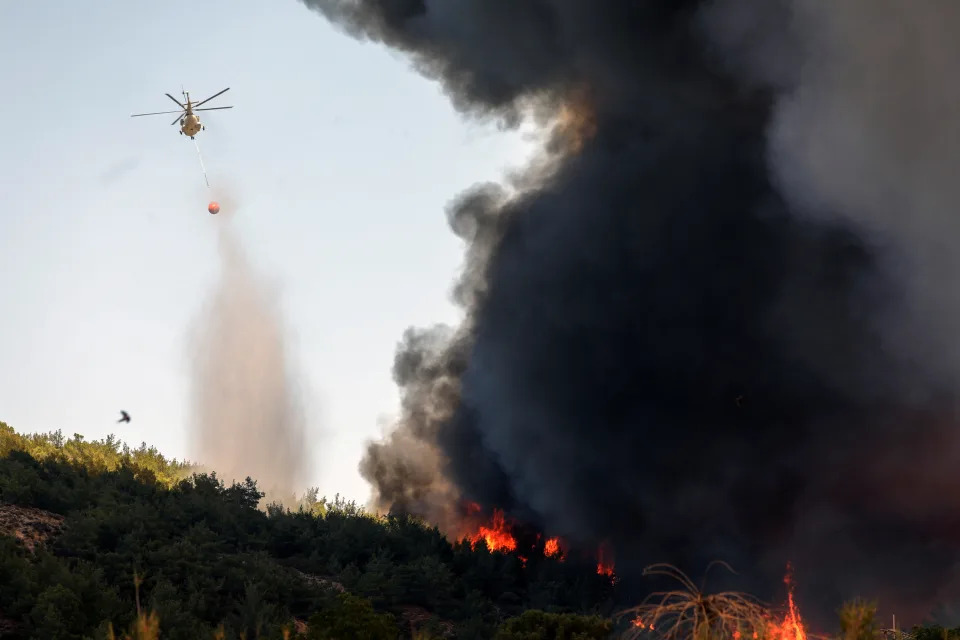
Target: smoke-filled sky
x=721, y=325
x=717, y=321
x=108, y=256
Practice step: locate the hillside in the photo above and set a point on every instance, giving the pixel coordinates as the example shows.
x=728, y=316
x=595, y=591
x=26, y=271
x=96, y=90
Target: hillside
x=92, y=532
x=80, y=519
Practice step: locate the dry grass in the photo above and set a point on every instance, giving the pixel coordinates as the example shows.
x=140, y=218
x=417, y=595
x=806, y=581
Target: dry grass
x=687, y=613
x=147, y=625
x=858, y=620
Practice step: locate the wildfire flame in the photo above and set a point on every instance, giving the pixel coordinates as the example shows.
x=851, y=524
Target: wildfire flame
x=551, y=547
x=497, y=535
x=733, y=617
x=638, y=622
x=792, y=626
x=604, y=560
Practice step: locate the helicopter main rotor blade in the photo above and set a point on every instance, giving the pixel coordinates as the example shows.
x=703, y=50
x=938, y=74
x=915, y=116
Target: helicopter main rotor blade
x=212, y=108
x=155, y=113
x=182, y=106
x=177, y=119
x=211, y=97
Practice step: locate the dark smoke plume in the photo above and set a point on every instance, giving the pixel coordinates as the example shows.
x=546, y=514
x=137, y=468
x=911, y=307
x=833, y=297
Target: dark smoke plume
x=714, y=321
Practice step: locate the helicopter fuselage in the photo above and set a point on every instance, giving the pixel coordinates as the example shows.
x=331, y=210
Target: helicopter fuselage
x=189, y=121
x=190, y=124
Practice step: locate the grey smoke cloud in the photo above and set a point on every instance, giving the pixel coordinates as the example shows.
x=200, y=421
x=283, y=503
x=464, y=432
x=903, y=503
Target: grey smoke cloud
x=870, y=134
x=863, y=131
x=722, y=327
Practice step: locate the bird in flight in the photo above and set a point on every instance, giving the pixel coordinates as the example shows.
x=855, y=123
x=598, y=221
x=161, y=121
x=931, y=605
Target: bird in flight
x=124, y=416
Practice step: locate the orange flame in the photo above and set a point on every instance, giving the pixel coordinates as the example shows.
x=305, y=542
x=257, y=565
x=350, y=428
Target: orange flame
x=551, y=547
x=497, y=535
x=792, y=626
x=638, y=622
x=604, y=560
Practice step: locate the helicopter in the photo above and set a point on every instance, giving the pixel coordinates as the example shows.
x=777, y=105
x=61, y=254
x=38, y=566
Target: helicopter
x=189, y=121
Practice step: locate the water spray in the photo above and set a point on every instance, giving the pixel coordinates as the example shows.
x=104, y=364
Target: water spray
x=202, y=168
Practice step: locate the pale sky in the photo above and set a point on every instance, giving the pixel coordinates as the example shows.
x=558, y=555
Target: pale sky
x=344, y=160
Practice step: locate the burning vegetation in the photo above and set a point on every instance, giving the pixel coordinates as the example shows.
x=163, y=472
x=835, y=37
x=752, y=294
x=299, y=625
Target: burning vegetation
x=498, y=534
x=737, y=262
x=686, y=613
x=683, y=613
x=605, y=560
x=327, y=565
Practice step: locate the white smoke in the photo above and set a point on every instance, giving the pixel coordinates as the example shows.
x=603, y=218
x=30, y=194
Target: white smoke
x=248, y=418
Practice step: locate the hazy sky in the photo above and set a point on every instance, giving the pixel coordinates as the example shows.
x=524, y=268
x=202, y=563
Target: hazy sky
x=342, y=158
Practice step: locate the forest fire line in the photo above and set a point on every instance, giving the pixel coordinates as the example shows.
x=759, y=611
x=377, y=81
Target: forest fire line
x=735, y=624
x=792, y=626
x=501, y=535
x=605, y=560
x=497, y=535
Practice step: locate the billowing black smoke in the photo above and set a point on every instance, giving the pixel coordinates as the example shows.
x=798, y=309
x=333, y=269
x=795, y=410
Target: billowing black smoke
x=664, y=348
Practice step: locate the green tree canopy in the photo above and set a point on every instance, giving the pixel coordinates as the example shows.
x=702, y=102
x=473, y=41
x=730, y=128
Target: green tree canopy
x=540, y=625
x=354, y=618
